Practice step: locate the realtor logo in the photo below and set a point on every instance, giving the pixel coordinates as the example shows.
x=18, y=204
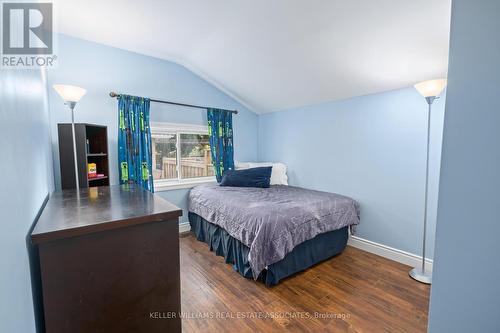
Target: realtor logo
x=27, y=29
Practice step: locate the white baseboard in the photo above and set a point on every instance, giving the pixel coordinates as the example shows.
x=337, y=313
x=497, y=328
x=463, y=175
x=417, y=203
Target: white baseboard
x=388, y=252
x=184, y=227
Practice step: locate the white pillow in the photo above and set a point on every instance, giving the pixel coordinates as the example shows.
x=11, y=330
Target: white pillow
x=278, y=175
x=241, y=165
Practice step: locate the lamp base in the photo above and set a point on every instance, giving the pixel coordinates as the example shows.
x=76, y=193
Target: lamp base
x=420, y=276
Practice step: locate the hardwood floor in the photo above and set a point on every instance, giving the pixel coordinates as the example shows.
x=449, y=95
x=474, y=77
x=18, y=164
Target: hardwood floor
x=354, y=292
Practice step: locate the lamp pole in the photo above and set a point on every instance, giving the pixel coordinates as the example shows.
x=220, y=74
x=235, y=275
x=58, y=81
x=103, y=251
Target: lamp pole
x=420, y=274
x=72, y=105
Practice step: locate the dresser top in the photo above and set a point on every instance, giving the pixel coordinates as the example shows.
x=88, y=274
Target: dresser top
x=70, y=213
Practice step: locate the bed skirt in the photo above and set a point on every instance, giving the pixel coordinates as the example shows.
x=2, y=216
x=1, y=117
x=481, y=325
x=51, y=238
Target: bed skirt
x=303, y=256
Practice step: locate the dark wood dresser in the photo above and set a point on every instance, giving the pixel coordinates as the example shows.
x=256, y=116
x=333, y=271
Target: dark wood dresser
x=109, y=261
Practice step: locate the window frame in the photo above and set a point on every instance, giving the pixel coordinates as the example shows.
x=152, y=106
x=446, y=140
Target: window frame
x=178, y=129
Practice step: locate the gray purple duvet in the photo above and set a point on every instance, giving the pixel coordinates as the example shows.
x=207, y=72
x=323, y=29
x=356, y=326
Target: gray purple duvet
x=272, y=221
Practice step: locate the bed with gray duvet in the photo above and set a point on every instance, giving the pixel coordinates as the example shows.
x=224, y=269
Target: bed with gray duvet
x=270, y=233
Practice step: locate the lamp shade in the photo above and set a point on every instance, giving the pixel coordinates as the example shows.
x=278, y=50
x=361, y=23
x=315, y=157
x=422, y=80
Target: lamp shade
x=69, y=93
x=431, y=88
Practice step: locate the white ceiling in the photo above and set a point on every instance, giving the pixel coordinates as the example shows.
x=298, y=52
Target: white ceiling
x=277, y=54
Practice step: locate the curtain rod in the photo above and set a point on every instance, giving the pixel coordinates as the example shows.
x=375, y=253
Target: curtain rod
x=113, y=95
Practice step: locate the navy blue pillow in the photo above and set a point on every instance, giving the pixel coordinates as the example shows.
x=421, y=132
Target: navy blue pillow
x=254, y=177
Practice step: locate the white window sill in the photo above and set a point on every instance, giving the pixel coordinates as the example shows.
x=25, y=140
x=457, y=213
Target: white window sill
x=175, y=185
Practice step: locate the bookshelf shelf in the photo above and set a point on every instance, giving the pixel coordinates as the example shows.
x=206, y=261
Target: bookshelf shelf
x=91, y=179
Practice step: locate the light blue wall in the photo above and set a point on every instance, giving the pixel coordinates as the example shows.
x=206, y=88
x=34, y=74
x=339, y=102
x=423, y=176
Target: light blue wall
x=465, y=295
x=101, y=69
x=371, y=148
x=27, y=179
x=179, y=198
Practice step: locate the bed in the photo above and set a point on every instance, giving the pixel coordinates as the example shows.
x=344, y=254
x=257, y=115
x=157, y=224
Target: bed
x=271, y=233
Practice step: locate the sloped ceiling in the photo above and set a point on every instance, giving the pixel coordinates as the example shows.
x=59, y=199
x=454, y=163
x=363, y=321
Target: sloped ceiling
x=277, y=54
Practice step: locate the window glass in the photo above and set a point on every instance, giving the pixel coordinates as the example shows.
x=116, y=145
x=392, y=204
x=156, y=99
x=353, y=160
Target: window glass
x=164, y=156
x=195, y=160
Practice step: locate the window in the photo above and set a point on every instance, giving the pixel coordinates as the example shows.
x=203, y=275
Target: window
x=181, y=155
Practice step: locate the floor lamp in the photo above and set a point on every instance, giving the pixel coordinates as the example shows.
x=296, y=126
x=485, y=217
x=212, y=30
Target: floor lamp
x=71, y=95
x=430, y=90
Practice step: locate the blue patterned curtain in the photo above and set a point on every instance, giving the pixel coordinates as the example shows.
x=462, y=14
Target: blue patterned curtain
x=220, y=130
x=134, y=142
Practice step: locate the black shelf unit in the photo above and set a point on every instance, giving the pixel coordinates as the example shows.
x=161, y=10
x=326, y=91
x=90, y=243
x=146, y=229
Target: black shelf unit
x=91, y=147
